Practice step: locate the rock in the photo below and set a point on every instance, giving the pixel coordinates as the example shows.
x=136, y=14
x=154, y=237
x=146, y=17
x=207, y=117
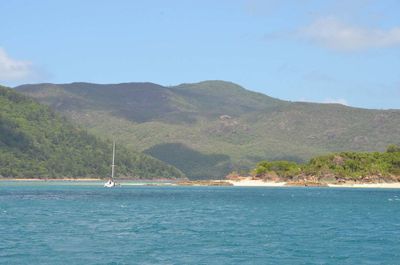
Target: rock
x=225, y=117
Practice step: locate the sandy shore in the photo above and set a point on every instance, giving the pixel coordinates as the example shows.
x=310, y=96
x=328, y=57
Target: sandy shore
x=367, y=185
x=238, y=183
x=261, y=183
x=255, y=183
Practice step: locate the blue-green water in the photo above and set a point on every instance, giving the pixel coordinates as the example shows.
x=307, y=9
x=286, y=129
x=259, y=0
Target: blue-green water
x=61, y=224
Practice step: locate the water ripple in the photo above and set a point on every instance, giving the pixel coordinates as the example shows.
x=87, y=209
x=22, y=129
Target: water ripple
x=201, y=225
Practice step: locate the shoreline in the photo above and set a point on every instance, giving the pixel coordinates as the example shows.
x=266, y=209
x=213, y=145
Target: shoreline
x=49, y=180
x=393, y=185
x=256, y=183
x=161, y=180
x=261, y=183
x=209, y=183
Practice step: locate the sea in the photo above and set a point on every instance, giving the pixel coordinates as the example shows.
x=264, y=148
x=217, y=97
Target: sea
x=65, y=223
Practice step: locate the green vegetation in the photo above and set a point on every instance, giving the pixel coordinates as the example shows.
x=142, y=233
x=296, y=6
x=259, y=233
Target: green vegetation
x=344, y=165
x=280, y=168
x=37, y=143
x=201, y=166
x=393, y=148
x=215, y=127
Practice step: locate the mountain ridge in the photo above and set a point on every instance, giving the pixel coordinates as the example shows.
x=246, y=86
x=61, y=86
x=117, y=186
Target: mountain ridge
x=184, y=85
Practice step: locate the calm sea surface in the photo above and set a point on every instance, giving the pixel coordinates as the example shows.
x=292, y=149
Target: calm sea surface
x=87, y=224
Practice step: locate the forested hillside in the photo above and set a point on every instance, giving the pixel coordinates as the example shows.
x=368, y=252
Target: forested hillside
x=35, y=142
x=211, y=128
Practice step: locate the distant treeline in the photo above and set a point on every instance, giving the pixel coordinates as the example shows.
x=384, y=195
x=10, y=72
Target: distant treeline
x=343, y=165
x=37, y=143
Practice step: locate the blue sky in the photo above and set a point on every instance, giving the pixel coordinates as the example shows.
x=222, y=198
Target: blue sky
x=345, y=51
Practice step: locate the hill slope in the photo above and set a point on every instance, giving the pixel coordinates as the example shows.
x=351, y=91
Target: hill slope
x=37, y=143
x=210, y=128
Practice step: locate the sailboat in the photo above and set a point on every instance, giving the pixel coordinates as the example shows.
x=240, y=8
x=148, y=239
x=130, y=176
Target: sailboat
x=111, y=183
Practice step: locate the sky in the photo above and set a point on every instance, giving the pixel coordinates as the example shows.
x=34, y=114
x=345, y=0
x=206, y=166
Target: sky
x=342, y=51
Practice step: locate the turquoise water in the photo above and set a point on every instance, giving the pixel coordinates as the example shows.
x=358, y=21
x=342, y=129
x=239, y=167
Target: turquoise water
x=87, y=224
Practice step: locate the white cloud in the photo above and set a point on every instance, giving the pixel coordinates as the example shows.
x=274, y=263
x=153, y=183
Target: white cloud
x=14, y=70
x=334, y=34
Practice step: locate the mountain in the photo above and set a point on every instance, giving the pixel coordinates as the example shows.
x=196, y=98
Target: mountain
x=35, y=142
x=210, y=128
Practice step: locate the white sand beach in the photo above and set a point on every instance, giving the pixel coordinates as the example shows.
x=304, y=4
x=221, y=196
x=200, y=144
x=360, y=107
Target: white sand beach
x=247, y=182
x=395, y=185
x=243, y=182
x=255, y=183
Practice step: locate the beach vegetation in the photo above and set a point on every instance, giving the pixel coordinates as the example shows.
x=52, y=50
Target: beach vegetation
x=344, y=165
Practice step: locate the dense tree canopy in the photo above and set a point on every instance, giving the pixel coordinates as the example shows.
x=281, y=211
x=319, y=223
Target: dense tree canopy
x=347, y=165
x=37, y=143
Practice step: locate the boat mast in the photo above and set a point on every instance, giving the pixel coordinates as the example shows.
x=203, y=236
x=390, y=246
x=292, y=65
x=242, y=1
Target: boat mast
x=113, y=165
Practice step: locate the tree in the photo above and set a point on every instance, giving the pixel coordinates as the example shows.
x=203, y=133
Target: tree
x=393, y=148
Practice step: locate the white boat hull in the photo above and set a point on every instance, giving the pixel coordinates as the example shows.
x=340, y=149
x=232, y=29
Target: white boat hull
x=109, y=184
